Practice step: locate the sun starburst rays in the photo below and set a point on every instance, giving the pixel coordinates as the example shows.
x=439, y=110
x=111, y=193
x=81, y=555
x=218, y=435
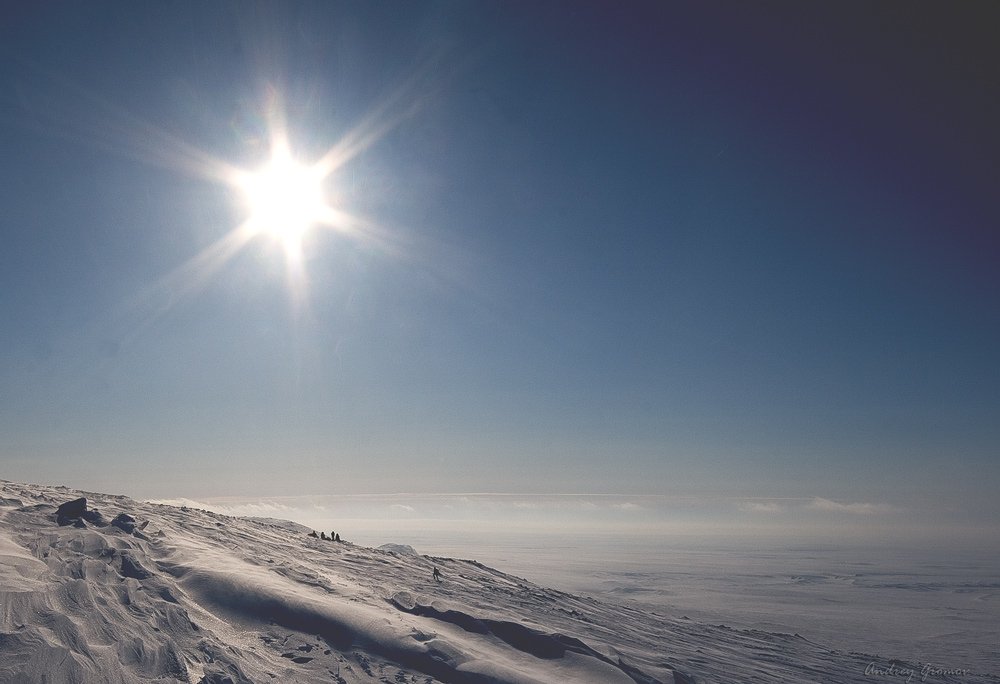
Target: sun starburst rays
x=288, y=201
x=284, y=202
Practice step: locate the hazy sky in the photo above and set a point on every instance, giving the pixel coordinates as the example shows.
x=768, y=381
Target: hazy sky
x=742, y=249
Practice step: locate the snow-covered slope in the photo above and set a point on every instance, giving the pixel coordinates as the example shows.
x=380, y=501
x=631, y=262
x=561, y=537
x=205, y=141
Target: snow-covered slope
x=141, y=591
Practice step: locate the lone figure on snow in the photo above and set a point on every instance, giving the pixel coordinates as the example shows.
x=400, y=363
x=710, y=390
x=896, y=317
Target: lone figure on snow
x=436, y=574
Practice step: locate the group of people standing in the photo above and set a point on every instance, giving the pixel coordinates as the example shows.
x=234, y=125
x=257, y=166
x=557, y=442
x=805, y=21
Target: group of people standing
x=322, y=535
x=436, y=575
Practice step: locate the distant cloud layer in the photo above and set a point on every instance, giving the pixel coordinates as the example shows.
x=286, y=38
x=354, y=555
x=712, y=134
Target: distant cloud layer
x=815, y=504
x=541, y=512
x=762, y=507
x=821, y=504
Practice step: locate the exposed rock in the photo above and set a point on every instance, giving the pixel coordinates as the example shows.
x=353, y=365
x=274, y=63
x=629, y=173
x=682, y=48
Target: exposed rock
x=217, y=678
x=71, y=510
x=94, y=517
x=132, y=568
x=124, y=522
x=75, y=512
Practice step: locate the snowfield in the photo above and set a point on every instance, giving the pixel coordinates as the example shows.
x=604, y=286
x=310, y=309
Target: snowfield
x=125, y=591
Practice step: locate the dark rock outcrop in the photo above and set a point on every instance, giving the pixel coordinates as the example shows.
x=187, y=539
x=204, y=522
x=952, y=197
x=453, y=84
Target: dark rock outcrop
x=75, y=512
x=71, y=510
x=132, y=568
x=94, y=517
x=124, y=522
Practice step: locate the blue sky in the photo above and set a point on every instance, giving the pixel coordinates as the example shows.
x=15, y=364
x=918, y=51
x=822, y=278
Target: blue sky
x=700, y=248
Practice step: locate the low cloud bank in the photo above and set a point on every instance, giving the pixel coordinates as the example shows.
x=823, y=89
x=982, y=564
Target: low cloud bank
x=821, y=504
x=708, y=517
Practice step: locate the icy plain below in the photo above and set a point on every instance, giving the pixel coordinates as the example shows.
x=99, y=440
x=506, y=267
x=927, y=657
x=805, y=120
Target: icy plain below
x=928, y=604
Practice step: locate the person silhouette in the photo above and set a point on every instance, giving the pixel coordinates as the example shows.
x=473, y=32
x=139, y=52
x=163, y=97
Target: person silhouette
x=436, y=574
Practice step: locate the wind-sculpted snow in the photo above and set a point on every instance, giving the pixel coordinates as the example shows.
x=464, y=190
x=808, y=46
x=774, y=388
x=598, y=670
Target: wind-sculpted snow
x=124, y=591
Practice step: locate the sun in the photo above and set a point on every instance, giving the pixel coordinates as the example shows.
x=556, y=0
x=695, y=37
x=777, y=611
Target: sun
x=285, y=200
